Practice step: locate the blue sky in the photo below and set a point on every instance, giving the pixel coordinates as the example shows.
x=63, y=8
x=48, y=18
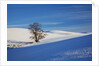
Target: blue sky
x=67, y=17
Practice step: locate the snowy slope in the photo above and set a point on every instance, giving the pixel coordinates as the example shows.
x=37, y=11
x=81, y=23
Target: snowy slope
x=75, y=49
x=20, y=34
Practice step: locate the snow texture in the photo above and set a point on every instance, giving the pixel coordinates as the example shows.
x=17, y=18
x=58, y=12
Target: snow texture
x=74, y=49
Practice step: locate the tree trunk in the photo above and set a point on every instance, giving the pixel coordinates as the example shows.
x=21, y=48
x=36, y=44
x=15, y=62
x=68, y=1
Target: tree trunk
x=36, y=40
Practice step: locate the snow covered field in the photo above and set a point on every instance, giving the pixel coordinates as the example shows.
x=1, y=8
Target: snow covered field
x=57, y=46
x=75, y=49
x=17, y=35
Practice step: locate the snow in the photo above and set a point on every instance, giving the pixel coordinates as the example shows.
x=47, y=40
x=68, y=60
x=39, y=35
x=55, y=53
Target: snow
x=74, y=49
x=56, y=46
x=23, y=35
x=18, y=34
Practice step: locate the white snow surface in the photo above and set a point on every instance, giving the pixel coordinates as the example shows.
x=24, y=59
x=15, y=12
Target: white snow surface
x=21, y=34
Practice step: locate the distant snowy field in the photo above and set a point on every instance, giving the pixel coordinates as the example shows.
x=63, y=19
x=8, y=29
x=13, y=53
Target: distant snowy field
x=57, y=46
x=23, y=35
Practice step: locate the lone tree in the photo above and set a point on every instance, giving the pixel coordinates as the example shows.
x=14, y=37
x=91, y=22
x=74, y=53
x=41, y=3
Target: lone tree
x=36, y=31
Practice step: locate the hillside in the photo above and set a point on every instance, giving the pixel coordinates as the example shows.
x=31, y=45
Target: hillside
x=20, y=35
x=75, y=49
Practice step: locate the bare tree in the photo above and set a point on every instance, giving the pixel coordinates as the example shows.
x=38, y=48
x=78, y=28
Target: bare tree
x=36, y=31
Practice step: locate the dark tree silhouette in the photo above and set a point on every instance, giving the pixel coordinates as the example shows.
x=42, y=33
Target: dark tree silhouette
x=36, y=31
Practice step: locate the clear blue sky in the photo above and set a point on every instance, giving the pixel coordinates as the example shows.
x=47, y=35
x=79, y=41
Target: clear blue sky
x=68, y=17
